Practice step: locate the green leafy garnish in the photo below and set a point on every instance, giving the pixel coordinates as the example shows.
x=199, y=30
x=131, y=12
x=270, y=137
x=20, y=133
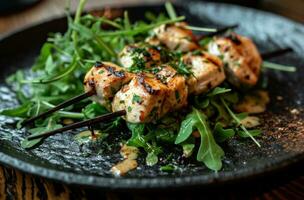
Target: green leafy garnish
x=279, y=67
x=51, y=125
x=167, y=168
x=221, y=134
x=21, y=111
x=238, y=121
x=218, y=90
x=204, y=42
x=170, y=10
x=209, y=151
x=136, y=99
x=93, y=110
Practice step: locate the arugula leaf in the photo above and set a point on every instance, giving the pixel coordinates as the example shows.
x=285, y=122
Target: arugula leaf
x=238, y=121
x=187, y=127
x=151, y=159
x=45, y=52
x=51, y=125
x=137, y=139
x=60, y=75
x=188, y=149
x=221, y=134
x=253, y=133
x=209, y=152
x=27, y=144
x=167, y=168
x=223, y=116
x=93, y=110
x=165, y=135
x=201, y=103
x=231, y=97
x=241, y=116
x=21, y=111
x=218, y=90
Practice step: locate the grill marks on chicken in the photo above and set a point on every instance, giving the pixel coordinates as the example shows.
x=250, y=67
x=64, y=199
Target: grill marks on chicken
x=177, y=90
x=207, y=72
x=241, y=59
x=142, y=99
x=106, y=79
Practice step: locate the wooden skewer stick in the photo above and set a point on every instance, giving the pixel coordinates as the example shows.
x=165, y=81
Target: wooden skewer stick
x=60, y=106
x=88, y=122
x=275, y=53
x=218, y=32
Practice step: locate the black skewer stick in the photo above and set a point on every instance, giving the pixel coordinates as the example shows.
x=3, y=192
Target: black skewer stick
x=88, y=122
x=60, y=106
x=275, y=53
x=218, y=32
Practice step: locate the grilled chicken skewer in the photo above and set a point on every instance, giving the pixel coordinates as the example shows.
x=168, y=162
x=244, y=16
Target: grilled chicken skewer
x=147, y=96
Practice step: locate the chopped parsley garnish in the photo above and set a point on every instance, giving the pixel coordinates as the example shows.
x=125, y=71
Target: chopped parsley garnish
x=129, y=108
x=136, y=99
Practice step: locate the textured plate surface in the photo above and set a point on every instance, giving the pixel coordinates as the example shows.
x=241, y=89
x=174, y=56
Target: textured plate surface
x=61, y=158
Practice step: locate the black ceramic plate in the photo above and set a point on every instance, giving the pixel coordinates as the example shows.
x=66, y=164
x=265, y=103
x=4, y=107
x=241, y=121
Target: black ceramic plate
x=61, y=158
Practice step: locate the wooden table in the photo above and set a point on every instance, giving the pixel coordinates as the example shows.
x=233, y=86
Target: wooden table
x=17, y=185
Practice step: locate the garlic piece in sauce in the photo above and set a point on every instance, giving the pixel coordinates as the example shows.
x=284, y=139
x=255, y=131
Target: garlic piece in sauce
x=129, y=163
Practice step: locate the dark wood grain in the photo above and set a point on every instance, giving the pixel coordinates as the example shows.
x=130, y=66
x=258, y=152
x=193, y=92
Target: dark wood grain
x=17, y=185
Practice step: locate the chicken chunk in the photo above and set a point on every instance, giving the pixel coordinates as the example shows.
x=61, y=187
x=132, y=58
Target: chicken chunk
x=142, y=99
x=174, y=36
x=177, y=90
x=106, y=79
x=241, y=59
x=207, y=72
x=139, y=56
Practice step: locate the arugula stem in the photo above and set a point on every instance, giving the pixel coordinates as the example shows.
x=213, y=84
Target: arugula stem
x=170, y=10
x=106, y=47
x=172, y=14
x=136, y=31
x=38, y=107
x=65, y=114
x=128, y=25
x=77, y=19
x=109, y=22
x=275, y=66
x=239, y=122
x=195, y=28
x=70, y=69
x=61, y=51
